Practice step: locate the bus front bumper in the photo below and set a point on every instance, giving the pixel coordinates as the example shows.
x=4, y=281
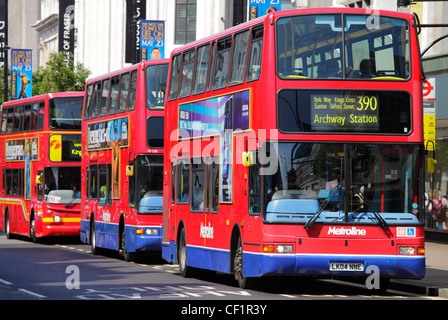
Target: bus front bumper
x=391, y=266
x=60, y=227
x=143, y=238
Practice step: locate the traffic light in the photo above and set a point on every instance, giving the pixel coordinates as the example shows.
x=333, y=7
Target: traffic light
x=403, y=3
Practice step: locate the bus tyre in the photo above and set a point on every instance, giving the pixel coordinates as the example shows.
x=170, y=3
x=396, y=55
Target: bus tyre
x=243, y=282
x=95, y=249
x=33, y=230
x=127, y=256
x=384, y=285
x=185, y=270
x=9, y=235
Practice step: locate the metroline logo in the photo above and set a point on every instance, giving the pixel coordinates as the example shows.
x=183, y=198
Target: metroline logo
x=346, y=232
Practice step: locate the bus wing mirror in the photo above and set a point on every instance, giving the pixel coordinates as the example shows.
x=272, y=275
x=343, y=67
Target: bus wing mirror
x=129, y=171
x=248, y=159
x=38, y=179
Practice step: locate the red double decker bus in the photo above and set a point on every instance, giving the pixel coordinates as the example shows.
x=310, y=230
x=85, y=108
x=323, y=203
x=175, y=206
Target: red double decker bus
x=122, y=163
x=40, y=140
x=294, y=146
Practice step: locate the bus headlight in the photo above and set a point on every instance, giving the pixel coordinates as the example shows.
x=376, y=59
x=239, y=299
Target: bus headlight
x=152, y=232
x=281, y=248
x=148, y=232
x=406, y=250
x=57, y=219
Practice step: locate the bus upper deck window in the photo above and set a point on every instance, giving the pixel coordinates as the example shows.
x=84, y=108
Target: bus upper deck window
x=104, y=97
x=133, y=90
x=124, y=93
x=222, y=64
x=239, y=58
x=200, y=78
x=114, y=95
x=256, y=48
x=379, y=51
x=4, y=120
x=187, y=74
x=156, y=77
x=87, y=106
x=312, y=47
x=174, y=77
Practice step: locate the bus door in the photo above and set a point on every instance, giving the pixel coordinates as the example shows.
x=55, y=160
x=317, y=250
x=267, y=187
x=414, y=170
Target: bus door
x=130, y=174
x=397, y=177
x=252, y=190
x=208, y=199
x=168, y=232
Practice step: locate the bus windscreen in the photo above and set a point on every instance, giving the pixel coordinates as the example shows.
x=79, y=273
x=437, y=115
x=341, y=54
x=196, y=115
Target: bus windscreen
x=65, y=113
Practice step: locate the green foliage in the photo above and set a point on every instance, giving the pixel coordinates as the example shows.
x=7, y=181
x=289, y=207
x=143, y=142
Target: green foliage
x=2, y=86
x=60, y=74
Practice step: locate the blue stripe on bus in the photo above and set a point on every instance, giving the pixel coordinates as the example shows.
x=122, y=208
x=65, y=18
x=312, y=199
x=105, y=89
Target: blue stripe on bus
x=257, y=264
x=107, y=237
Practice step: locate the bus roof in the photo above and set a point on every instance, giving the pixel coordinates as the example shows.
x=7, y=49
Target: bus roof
x=143, y=64
x=277, y=14
x=43, y=96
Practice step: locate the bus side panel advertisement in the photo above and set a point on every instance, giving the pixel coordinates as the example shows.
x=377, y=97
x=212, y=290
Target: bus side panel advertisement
x=221, y=116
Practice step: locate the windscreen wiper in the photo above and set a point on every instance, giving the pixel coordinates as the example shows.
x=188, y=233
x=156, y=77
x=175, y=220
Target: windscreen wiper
x=384, y=225
x=313, y=219
x=68, y=204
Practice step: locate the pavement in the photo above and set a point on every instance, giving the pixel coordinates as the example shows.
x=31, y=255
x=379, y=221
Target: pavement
x=435, y=282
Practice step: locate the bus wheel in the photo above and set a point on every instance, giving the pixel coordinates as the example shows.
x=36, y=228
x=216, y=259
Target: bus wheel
x=95, y=249
x=127, y=256
x=243, y=282
x=383, y=286
x=9, y=235
x=185, y=270
x=33, y=230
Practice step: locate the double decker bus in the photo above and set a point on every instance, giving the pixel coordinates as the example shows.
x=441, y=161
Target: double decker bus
x=295, y=147
x=40, y=139
x=122, y=163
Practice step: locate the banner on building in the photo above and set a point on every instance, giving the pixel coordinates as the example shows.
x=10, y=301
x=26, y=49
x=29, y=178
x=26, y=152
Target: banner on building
x=135, y=12
x=21, y=73
x=258, y=8
x=67, y=26
x=152, y=40
x=3, y=22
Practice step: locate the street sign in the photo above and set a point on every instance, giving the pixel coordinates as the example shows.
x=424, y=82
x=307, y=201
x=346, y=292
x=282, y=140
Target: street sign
x=429, y=91
x=259, y=8
x=429, y=113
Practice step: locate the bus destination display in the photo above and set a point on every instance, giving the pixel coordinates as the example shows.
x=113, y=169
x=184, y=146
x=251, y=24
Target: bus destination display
x=337, y=112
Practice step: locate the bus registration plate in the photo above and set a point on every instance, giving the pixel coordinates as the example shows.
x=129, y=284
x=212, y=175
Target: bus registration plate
x=346, y=266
